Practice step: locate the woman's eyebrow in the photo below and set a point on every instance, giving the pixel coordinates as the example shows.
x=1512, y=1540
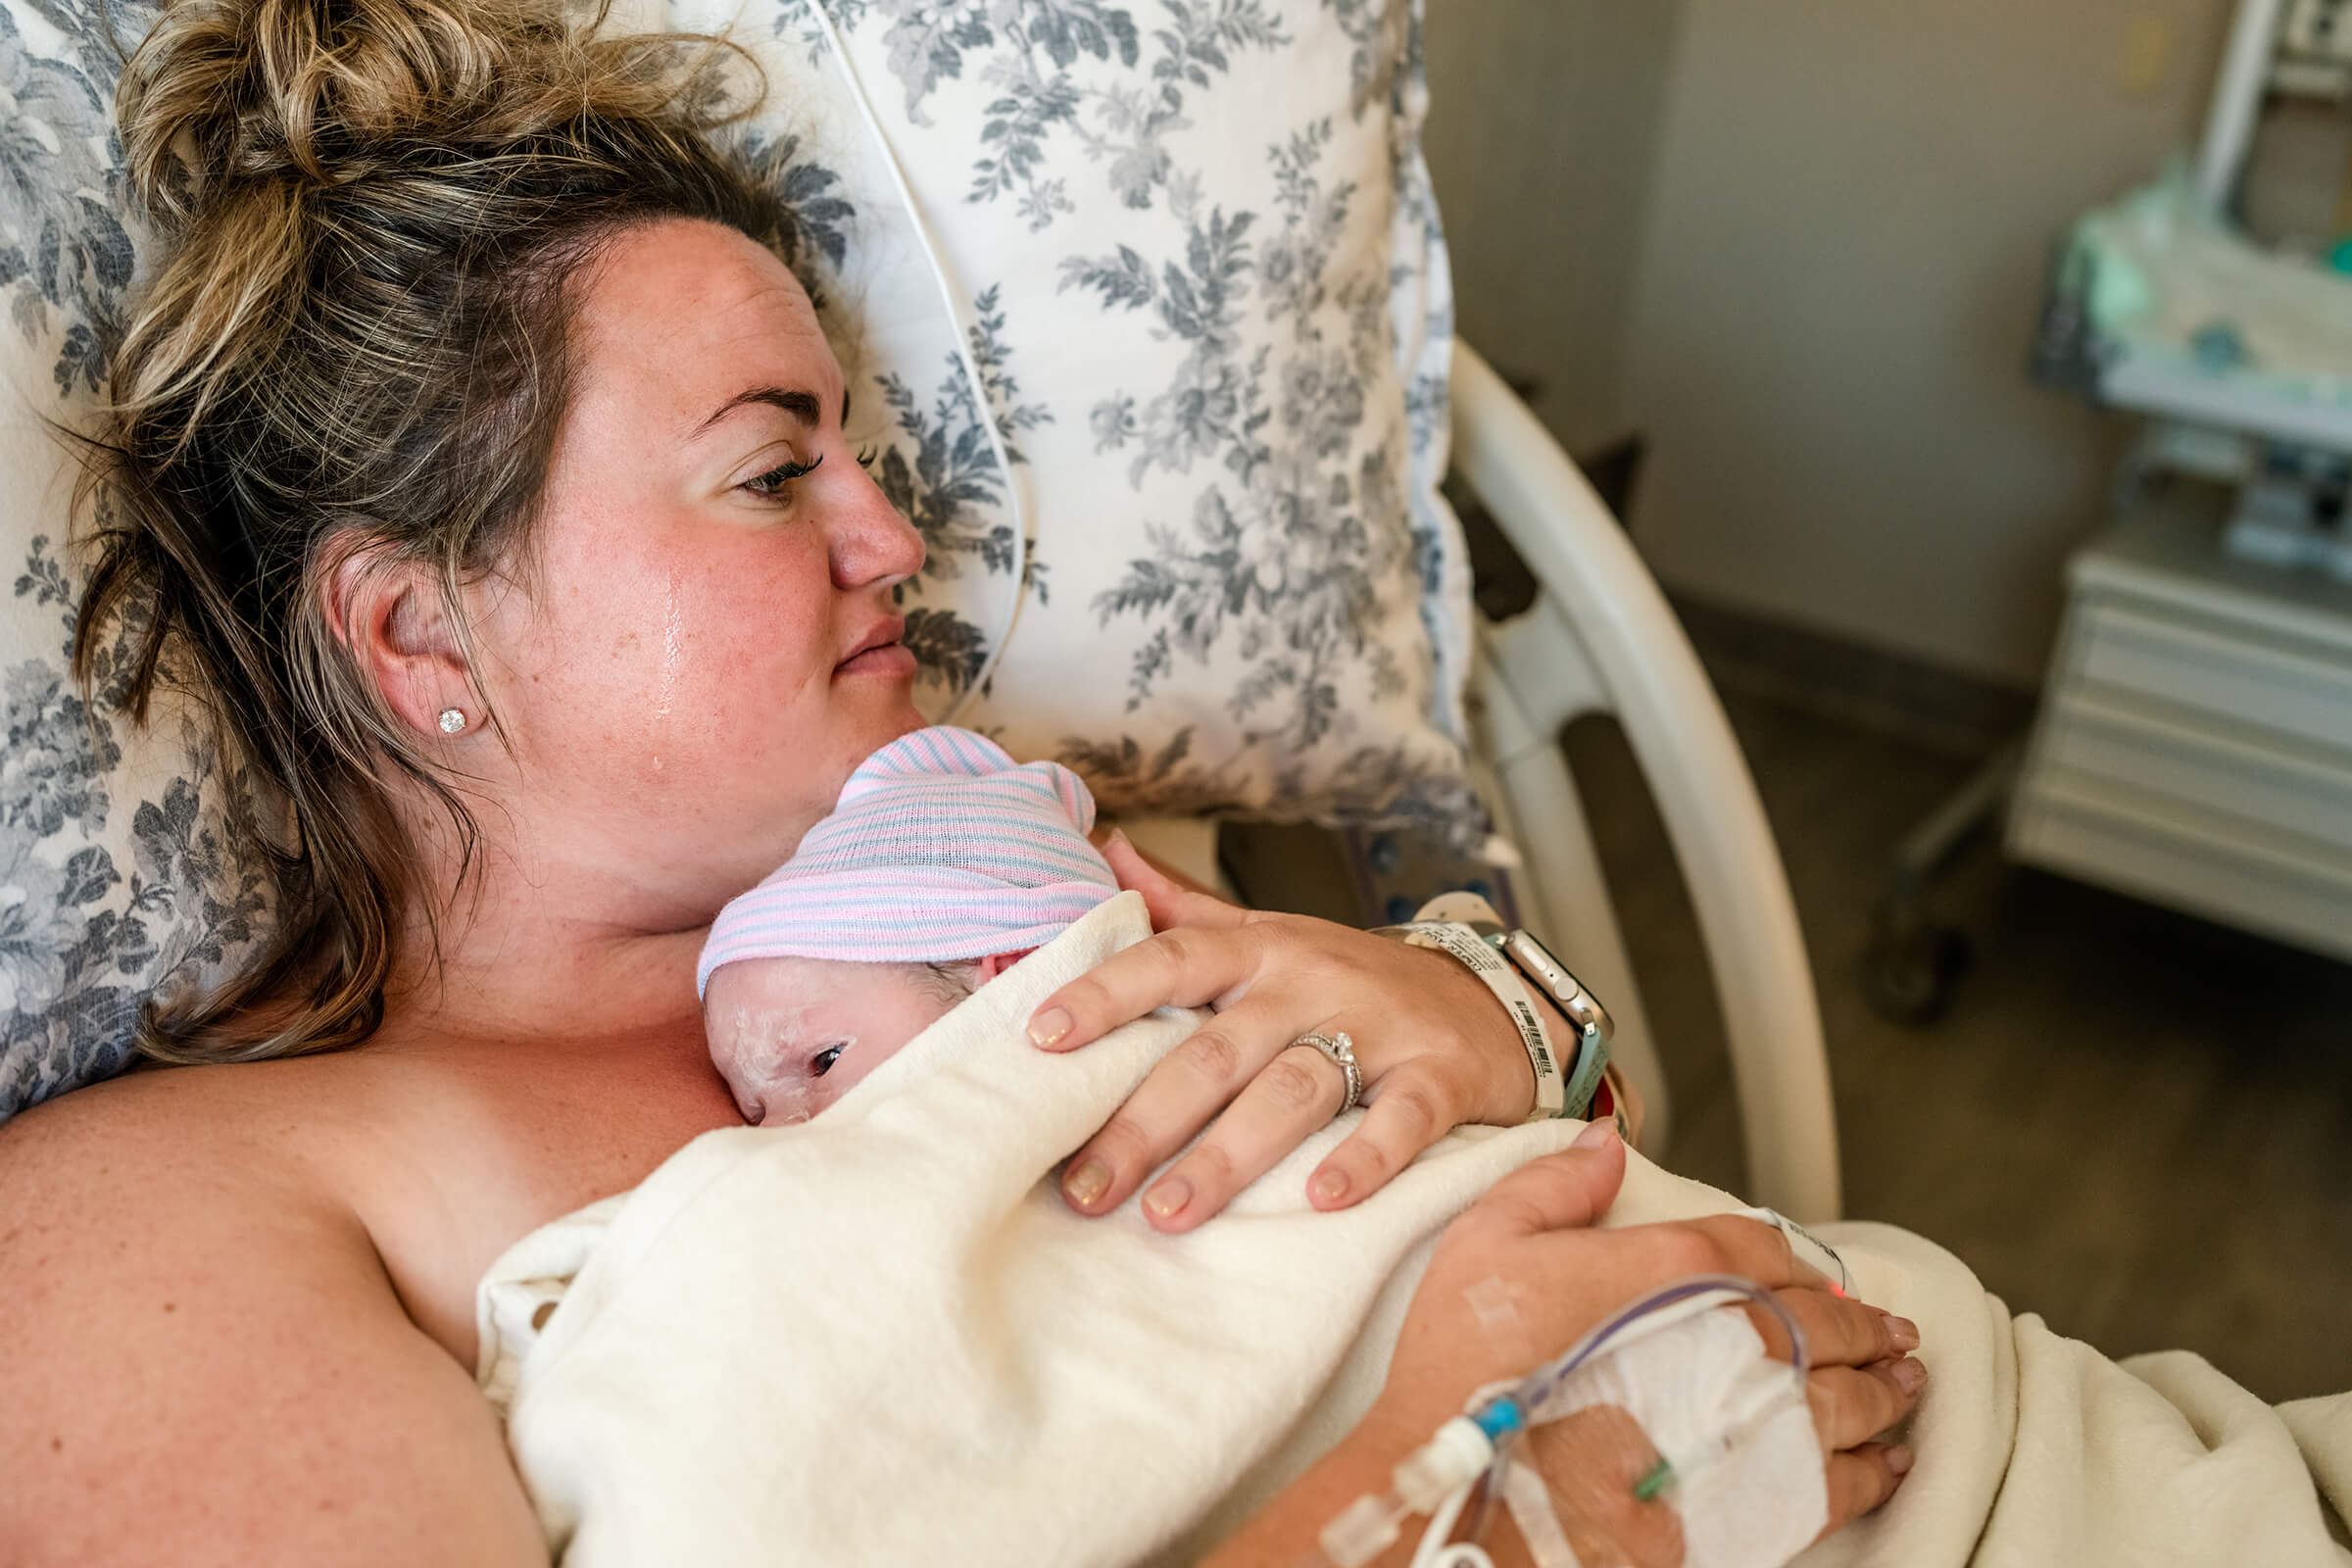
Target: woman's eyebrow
x=801, y=406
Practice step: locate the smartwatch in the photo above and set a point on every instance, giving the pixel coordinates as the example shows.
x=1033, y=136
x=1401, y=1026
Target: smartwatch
x=1467, y=926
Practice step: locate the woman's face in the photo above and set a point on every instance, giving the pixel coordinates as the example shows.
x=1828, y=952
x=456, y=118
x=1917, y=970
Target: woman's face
x=704, y=644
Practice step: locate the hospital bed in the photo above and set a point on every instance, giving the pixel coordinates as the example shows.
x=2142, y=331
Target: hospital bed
x=1599, y=637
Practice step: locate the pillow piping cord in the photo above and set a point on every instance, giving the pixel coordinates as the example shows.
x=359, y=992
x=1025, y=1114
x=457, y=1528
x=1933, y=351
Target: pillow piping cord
x=1022, y=521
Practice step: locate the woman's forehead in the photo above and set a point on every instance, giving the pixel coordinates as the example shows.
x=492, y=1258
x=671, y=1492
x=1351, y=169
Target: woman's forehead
x=682, y=316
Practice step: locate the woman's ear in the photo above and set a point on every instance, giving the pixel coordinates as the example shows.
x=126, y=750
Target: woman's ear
x=391, y=617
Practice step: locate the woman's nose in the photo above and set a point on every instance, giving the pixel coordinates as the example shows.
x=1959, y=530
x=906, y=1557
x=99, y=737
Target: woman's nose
x=874, y=542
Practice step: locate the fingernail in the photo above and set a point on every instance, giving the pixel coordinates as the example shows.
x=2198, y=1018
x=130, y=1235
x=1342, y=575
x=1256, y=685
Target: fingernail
x=1168, y=1197
x=1902, y=1332
x=1049, y=1026
x=1088, y=1183
x=1596, y=1135
x=1910, y=1374
x=1329, y=1186
x=1898, y=1460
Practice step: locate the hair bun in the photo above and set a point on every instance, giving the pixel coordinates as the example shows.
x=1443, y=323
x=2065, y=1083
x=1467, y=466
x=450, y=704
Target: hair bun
x=325, y=91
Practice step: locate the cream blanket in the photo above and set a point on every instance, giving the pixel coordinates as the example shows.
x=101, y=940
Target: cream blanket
x=880, y=1337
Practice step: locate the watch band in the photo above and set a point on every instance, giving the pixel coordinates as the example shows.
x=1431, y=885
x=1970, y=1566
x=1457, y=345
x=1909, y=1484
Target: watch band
x=1465, y=925
x=1475, y=954
x=1537, y=962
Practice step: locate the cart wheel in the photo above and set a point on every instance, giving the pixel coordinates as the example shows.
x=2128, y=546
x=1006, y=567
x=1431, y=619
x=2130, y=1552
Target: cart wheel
x=1913, y=968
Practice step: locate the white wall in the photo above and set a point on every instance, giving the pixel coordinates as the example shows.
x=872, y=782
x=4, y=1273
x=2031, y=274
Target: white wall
x=1848, y=220
x=1543, y=130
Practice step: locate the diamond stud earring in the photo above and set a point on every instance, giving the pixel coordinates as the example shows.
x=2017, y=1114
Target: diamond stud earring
x=453, y=721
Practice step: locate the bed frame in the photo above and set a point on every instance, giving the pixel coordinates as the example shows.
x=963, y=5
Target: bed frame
x=1602, y=639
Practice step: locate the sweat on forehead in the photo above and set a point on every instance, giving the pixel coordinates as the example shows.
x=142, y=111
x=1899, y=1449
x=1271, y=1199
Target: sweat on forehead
x=940, y=849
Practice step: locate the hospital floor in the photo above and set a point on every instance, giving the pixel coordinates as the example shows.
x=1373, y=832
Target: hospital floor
x=2132, y=1122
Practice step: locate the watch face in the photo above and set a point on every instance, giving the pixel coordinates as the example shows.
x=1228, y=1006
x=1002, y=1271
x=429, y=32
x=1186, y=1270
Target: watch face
x=1581, y=1005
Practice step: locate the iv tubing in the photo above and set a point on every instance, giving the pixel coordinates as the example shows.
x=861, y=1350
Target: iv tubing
x=1542, y=1384
x=1439, y=1478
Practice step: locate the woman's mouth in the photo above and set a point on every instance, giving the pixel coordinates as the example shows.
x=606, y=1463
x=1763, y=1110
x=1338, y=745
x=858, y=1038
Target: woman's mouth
x=884, y=658
x=879, y=651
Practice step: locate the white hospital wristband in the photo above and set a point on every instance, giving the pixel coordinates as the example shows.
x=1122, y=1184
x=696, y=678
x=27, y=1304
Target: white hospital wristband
x=1482, y=960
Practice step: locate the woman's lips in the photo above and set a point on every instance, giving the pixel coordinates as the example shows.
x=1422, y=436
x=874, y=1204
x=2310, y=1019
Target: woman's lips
x=889, y=659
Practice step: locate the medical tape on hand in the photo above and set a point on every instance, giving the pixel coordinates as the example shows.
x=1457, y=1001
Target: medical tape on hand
x=1737, y=1457
x=1530, y=1503
x=1742, y=1464
x=1482, y=960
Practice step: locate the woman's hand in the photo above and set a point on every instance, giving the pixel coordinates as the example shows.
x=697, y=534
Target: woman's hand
x=1436, y=1049
x=1522, y=1276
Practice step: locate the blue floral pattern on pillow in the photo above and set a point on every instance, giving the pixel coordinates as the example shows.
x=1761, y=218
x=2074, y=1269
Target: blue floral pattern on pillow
x=117, y=871
x=1231, y=316
x=65, y=256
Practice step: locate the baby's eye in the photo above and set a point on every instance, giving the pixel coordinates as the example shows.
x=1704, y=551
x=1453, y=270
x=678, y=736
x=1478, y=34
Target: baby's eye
x=822, y=1062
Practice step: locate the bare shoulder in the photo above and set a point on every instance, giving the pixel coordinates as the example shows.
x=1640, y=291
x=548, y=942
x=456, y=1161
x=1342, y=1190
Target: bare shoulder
x=202, y=1359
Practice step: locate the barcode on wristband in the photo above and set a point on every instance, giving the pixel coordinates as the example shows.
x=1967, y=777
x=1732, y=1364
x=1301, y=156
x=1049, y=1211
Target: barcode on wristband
x=1464, y=945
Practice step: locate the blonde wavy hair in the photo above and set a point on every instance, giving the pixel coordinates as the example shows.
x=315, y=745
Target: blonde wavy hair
x=375, y=211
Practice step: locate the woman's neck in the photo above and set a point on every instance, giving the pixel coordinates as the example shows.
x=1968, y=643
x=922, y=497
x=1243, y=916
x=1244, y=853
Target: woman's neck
x=617, y=988
x=517, y=962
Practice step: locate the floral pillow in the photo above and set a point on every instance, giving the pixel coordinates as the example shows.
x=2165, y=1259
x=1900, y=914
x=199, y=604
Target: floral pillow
x=115, y=876
x=1194, y=251
x=1198, y=273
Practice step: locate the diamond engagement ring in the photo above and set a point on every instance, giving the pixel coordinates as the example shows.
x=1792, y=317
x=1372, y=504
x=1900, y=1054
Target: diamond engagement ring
x=1342, y=1050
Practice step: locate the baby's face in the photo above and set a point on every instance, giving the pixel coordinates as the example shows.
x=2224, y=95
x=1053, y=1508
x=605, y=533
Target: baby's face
x=791, y=1036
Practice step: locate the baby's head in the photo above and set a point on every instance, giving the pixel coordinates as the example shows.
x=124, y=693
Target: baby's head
x=791, y=1035
x=942, y=863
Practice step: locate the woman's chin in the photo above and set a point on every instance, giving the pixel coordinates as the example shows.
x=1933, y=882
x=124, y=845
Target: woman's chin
x=893, y=709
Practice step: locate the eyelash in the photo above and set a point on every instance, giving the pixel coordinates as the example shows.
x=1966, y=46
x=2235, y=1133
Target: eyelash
x=771, y=482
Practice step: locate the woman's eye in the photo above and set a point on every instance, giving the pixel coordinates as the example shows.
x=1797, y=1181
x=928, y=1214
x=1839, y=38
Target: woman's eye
x=773, y=481
x=822, y=1062
x=866, y=457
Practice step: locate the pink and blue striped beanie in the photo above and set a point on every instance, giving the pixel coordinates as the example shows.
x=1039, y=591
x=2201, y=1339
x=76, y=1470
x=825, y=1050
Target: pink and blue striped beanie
x=941, y=848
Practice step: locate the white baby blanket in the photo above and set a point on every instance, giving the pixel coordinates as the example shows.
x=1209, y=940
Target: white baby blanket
x=880, y=1337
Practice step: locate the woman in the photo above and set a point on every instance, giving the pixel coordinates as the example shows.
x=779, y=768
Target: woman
x=478, y=459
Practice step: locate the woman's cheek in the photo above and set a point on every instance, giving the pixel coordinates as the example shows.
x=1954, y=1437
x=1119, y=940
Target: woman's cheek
x=735, y=659
x=673, y=660
x=767, y=620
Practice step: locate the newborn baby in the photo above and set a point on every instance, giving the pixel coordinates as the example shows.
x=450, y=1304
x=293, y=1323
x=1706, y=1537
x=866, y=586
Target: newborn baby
x=942, y=863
